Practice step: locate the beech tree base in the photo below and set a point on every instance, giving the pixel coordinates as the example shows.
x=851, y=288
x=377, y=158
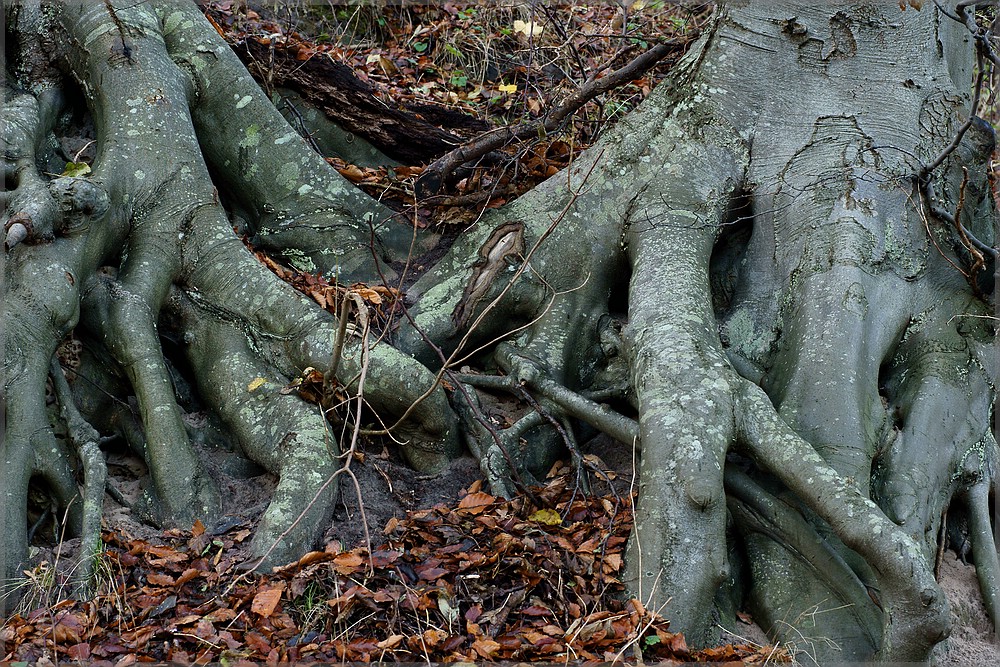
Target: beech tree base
x=745, y=287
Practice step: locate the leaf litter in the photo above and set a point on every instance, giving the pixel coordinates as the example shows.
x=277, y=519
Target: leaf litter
x=481, y=579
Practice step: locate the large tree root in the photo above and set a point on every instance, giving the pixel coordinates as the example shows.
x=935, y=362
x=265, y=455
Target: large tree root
x=835, y=294
x=173, y=102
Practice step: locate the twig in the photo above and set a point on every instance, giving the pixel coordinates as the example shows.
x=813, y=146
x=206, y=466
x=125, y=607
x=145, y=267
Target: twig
x=338, y=346
x=440, y=170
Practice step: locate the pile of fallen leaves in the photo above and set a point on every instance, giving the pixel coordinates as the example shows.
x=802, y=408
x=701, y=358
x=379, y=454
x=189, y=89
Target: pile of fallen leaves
x=328, y=293
x=486, y=59
x=484, y=580
x=489, y=62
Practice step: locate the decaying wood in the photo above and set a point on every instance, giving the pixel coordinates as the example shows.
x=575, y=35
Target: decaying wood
x=407, y=134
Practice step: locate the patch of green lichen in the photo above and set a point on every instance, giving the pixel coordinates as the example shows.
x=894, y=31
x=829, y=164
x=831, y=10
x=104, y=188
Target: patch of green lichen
x=251, y=138
x=299, y=260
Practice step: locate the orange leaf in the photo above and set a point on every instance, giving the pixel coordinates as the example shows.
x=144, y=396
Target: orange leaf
x=612, y=562
x=312, y=557
x=352, y=173
x=476, y=503
x=347, y=562
x=485, y=647
x=433, y=637
x=369, y=295
x=267, y=599
x=406, y=172
x=67, y=631
x=188, y=575
x=391, y=641
x=160, y=579
x=165, y=553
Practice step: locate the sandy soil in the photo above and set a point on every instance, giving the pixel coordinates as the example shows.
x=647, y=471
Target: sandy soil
x=973, y=641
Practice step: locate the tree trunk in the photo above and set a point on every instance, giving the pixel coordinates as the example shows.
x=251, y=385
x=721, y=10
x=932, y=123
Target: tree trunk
x=776, y=173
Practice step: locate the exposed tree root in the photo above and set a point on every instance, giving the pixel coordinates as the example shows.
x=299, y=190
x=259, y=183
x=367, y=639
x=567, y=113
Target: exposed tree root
x=86, y=440
x=150, y=205
x=784, y=296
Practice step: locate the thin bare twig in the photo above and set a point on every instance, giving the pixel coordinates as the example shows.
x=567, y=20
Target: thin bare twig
x=441, y=169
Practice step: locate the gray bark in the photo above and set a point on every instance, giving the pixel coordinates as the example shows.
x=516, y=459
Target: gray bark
x=807, y=121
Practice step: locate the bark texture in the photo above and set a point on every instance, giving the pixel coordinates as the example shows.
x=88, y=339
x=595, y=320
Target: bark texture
x=765, y=204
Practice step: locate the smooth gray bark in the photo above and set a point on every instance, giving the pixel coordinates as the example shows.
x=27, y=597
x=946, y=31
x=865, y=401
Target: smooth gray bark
x=808, y=122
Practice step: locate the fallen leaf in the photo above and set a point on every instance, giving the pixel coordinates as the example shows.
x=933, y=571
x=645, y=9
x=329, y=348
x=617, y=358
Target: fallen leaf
x=158, y=579
x=476, y=503
x=390, y=642
x=267, y=599
x=188, y=575
x=312, y=557
x=485, y=647
x=347, y=562
x=528, y=28
x=369, y=295
x=76, y=169
x=352, y=173
x=79, y=651
x=547, y=517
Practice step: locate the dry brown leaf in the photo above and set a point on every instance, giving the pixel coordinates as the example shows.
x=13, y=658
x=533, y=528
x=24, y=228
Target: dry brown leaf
x=312, y=557
x=267, y=599
x=370, y=295
x=476, y=503
x=352, y=173
x=390, y=642
x=158, y=579
x=348, y=562
x=485, y=647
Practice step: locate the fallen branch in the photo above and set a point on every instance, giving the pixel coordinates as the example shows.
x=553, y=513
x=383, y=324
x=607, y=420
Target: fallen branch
x=439, y=171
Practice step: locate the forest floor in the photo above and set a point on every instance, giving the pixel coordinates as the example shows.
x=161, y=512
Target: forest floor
x=446, y=572
x=416, y=568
